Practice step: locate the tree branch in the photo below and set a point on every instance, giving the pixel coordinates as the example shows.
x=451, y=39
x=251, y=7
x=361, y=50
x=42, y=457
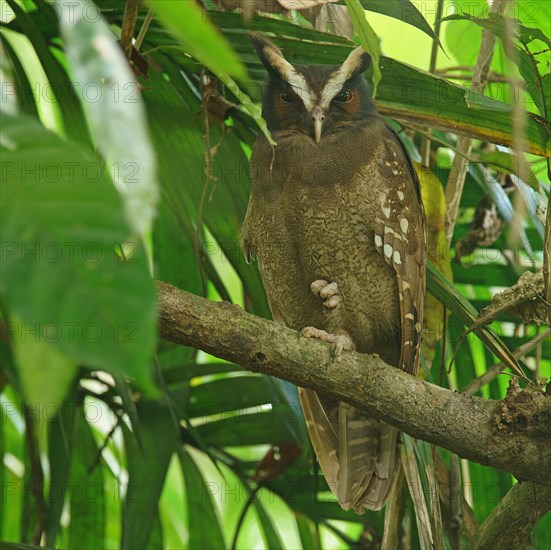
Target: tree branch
x=512, y=435
x=511, y=522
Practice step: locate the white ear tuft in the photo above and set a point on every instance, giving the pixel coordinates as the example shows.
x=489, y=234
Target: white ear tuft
x=357, y=62
x=277, y=65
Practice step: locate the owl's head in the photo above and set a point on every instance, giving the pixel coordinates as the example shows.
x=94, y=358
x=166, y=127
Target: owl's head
x=313, y=99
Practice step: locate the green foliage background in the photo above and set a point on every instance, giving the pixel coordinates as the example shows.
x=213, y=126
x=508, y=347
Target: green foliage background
x=112, y=437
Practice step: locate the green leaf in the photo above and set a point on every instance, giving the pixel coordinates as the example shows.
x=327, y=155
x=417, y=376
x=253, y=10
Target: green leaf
x=61, y=440
x=368, y=38
x=156, y=536
x=73, y=299
x=309, y=535
x=45, y=369
x=204, y=525
x=494, y=190
x=117, y=118
x=546, y=87
x=2, y=474
x=528, y=69
x=251, y=429
x=404, y=10
x=225, y=184
x=147, y=467
x=186, y=21
x=509, y=163
x=23, y=90
x=86, y=490
x=228, y=394
x=269, y=532
x=69, y=105
x=521, y=57
x=501, y=25
x=253, y=109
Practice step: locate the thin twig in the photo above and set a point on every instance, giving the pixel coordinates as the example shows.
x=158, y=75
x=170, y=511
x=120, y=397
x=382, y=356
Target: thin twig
x=425, y=143
x=128, y=26
x=143, y=29
x=207, y=176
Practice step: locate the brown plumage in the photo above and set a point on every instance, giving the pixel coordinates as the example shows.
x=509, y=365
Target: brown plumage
x=336, y=223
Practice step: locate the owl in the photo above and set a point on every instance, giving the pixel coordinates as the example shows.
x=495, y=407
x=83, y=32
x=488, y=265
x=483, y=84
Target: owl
x=336, y=222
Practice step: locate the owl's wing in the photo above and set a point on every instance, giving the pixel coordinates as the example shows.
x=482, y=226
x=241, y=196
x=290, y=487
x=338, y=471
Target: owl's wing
x=400, y=237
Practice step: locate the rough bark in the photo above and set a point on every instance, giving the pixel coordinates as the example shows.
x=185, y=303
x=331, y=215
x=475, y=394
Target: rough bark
x=512, y=435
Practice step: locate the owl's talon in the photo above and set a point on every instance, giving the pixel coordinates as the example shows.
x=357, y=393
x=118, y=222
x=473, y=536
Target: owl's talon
x=339, y=342
x=328, y=292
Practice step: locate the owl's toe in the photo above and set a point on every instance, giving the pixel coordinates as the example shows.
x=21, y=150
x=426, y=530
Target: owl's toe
x=328, y=292
x=317, y=286
x=342, y=342
x=339, y=342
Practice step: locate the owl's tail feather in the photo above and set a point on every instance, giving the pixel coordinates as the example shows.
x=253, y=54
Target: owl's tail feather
x=358, y=456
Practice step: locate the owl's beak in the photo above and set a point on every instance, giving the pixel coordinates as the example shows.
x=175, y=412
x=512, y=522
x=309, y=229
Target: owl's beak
x=318, y=116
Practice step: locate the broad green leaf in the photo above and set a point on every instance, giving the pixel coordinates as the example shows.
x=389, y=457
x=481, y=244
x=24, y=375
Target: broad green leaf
x=187, y=22
x=204, y=526
x=115, y=111
x=45, y=369
x=147, y=465
x=69, y=105
x=61, y=218
x=225, y=183
x=368, y=38
x=403, y=10
x=86, y=490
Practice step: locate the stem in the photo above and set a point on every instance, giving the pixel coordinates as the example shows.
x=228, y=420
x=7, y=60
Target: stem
x=456, y=180
x=425, y=143
x=129, y=19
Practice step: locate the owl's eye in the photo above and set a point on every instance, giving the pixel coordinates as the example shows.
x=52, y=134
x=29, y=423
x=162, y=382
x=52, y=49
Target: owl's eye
x=288, y=97
x=343, y=97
